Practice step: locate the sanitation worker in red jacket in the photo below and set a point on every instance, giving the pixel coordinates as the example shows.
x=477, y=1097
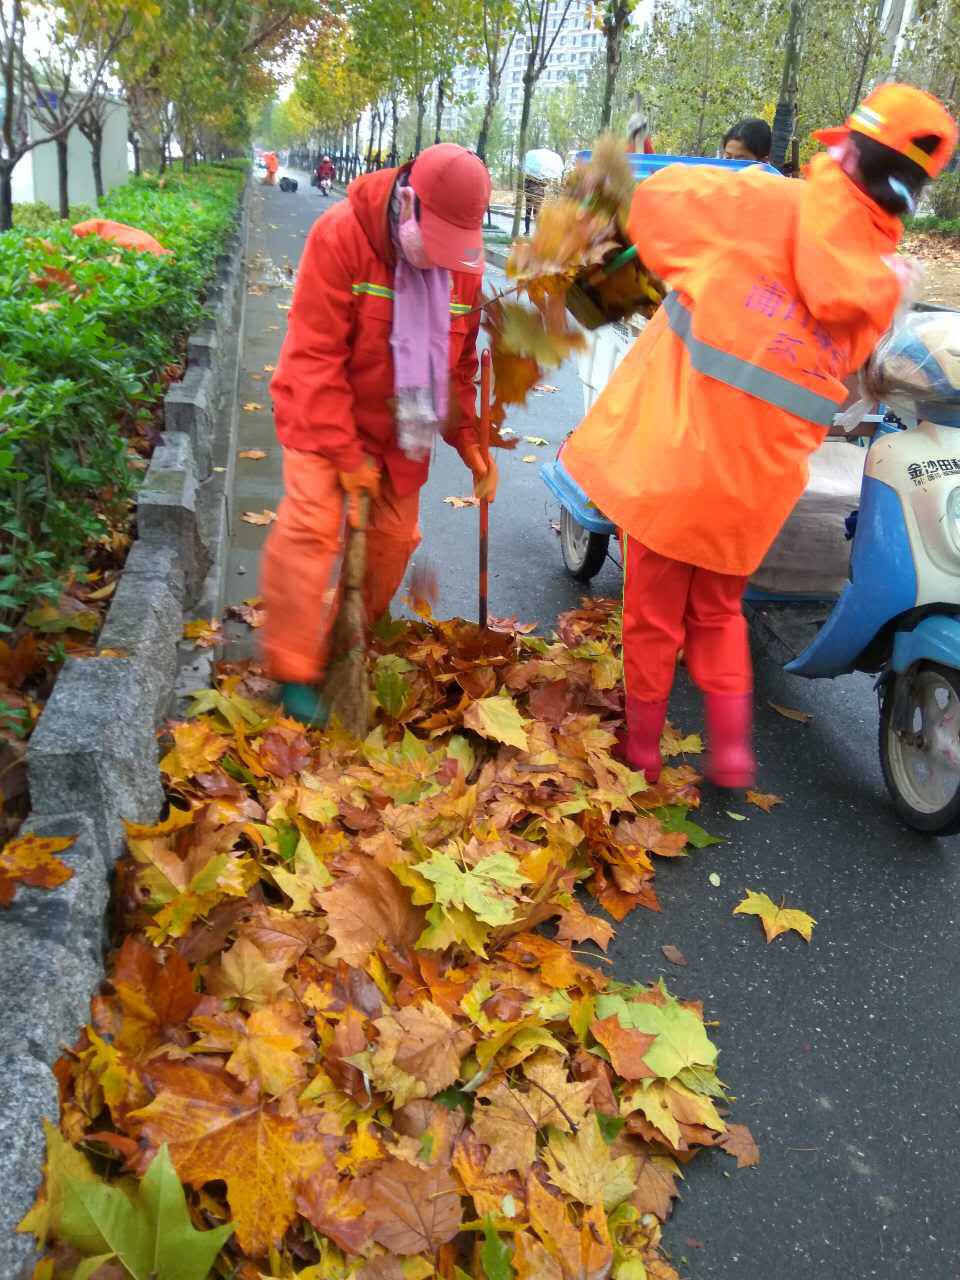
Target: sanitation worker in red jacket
x=698, y=446
x=380, y=356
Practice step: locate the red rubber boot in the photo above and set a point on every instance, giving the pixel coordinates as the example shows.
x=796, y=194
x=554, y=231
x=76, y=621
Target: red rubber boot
x=730, y=758
x=640, y=746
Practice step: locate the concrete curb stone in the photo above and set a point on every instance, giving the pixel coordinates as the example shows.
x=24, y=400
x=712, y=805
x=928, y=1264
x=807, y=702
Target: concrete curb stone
x=28, y=1095
x=92, y=760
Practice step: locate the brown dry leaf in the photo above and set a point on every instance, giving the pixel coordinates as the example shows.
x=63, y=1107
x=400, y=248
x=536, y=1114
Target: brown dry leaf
x=268, y=1048
x=739, y=1141
x=531, y=457
x=764, y=802
x=20, y=661
x=251, y=612
x=216, y=1133
x=369, y=908
x=625, y=1046
x=259, y=517
x=789, y=713
x=252, y=407
x=252, y=455
x=512, y=1118
x=413, y=1210
x=31, y=860
x=334, y=1208
x=460, y=503
x=269, y=368
x=487, y=1188
x=577, y=925
x=673, y=954
x=656, y=1183
x=244, y=973
x=583, y=1254
x=426, y=1044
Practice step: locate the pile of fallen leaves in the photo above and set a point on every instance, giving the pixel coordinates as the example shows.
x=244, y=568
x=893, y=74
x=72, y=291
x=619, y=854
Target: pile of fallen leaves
x=348, y=1013
x=578, y=233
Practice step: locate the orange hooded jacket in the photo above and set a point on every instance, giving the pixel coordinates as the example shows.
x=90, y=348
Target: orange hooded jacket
x=698, y=445
x=333, y=389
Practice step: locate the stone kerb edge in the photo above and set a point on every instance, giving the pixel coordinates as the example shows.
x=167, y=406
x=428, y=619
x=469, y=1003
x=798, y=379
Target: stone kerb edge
x=92, y=761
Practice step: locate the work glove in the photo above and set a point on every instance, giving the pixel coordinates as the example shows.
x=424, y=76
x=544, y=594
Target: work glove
x=485, y=474
x=365, y=479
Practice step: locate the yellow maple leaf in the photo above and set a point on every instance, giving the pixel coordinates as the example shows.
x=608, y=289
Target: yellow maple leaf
x=775, y=919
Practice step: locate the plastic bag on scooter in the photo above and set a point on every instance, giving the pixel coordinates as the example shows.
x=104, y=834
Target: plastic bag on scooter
x=915, y=370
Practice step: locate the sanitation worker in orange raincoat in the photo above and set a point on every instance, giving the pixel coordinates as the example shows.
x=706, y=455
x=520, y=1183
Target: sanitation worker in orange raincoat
x=273, y=164
x=698, y=446
x=380, y=356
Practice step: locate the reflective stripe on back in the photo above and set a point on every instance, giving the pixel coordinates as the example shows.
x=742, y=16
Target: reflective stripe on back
x=736, y=372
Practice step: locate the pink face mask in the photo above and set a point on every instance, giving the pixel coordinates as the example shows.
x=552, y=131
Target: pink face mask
x=408, y=232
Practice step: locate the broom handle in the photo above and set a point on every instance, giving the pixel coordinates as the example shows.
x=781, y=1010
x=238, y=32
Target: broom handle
x=355, y=556
x=484, y=502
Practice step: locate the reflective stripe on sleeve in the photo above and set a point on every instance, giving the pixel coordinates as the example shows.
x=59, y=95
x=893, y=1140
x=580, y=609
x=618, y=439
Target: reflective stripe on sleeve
x=744, y=376
x=371, y=290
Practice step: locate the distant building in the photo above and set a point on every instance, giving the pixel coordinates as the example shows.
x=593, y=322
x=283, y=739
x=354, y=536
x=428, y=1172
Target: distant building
x=35, y=176
x=579, y=41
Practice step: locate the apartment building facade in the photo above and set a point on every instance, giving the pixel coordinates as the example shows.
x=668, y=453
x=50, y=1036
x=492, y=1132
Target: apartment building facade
x=578, y=41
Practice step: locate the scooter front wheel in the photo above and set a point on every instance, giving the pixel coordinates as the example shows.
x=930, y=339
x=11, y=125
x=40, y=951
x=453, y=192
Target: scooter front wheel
x=920, y=747
x=583, y=552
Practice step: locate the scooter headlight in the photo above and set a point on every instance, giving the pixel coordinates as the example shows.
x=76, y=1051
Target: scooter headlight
x=953, y=516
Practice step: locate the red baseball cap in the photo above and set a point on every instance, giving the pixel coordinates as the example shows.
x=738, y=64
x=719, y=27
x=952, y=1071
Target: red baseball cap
x=897, y=115
x=453, y=187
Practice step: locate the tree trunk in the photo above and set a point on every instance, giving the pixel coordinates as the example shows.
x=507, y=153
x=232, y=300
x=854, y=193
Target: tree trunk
x=493, y=93
x=381, y=124
x=394, y=127
x=355, y=168
x=96, y=155
x=421, y=109
x=135, y=142
x=63, y=177
x=529, y=84
x=439, y=119
x=6, y=195
x=613, y=31
x=373, y=127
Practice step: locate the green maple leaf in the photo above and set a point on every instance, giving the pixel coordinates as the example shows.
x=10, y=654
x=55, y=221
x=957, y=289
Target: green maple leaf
x=478, y=890
x=147, y=1229
x=681, y=1041
x=499, y=719
x=495, y=1256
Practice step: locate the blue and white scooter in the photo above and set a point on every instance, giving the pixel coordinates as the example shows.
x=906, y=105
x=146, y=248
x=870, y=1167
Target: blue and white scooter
x=899, y=615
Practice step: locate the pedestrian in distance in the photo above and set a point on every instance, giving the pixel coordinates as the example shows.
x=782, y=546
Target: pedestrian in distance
x=747, y=140
x=698, y=446
x=379, y=359
x=325, y=174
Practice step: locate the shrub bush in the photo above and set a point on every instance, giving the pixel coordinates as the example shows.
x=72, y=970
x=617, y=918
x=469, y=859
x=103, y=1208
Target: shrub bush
x=86, y=332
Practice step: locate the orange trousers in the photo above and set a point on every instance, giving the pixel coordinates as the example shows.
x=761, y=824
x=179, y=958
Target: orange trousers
x=300, y=573
x=668, y=605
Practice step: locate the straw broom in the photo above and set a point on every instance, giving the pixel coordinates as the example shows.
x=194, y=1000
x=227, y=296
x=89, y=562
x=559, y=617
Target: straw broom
x=346, y=689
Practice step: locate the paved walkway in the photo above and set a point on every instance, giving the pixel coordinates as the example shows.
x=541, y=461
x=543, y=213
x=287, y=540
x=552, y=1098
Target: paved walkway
x=843, y=1054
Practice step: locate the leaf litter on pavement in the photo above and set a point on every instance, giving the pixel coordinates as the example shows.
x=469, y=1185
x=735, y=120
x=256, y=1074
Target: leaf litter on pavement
x=345, y=1007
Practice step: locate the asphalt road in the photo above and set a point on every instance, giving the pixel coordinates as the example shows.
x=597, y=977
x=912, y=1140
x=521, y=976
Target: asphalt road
x=842, y=1055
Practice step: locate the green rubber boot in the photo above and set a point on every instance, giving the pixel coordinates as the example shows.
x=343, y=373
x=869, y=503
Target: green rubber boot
x=303, y=702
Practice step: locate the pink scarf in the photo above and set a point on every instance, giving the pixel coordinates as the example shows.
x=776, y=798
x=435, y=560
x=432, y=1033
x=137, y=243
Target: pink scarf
x=421, y=348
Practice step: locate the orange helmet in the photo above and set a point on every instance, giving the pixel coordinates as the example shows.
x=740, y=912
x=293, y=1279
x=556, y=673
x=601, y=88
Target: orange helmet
x=900, y=117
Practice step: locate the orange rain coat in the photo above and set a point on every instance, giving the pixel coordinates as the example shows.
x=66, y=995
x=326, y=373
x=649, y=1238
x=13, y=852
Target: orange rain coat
x=698, y=445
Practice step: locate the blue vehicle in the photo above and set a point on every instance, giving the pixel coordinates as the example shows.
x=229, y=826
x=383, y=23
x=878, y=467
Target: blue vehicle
x=898, y=616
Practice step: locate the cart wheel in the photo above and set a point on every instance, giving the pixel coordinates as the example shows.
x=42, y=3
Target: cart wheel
x=583, y=552
x=921, y=763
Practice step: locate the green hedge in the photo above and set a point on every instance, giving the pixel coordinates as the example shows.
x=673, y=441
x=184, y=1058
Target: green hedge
x=86, y=331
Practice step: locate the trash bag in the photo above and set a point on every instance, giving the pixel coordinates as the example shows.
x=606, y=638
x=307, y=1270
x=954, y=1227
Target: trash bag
x=120, y=234
x=915, y=369
x=288, y=184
